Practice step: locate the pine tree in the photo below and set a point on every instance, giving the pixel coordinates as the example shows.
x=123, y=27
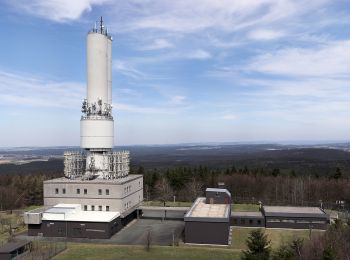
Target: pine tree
x=258, y=246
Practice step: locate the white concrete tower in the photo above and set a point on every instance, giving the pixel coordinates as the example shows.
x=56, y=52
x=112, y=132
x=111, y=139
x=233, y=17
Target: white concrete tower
x=96, y=124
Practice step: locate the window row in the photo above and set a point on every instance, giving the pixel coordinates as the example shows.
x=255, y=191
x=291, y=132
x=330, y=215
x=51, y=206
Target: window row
x=92, y=208
x=127, y=205
x=246, y=221
x=299, y=221
x=78, y=191
x=127, y=189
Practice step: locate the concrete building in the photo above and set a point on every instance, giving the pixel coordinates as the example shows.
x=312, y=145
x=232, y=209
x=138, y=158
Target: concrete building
x=97, y=196
x=247, y=219
x=70, y=220
x=282, y=217
x=122, y=195
x=209, y=223
x=295, y=217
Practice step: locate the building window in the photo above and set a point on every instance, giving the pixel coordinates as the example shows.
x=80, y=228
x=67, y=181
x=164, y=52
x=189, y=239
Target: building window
x=139, y=184
x=85, y=207
x=85, y=191
x=99, y=192
x=92, y=207
x=64, y=191
x=100, y=208
x=250, y=222
x=107, y=191
x=78, y=191
x=56, y=191
x=107, y=208
x=243, y=221
x=259, y=222
x=235, y=222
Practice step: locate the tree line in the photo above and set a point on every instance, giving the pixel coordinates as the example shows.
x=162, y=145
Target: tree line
x=187, y=183
x=18, y=191
x=247, y=185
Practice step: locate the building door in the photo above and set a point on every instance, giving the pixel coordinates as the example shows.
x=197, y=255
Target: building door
x=211, y=200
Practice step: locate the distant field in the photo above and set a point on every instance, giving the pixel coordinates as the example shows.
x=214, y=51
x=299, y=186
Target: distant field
x=105, y=252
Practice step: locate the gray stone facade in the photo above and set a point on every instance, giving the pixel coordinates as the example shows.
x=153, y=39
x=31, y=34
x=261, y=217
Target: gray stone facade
x=121, y=195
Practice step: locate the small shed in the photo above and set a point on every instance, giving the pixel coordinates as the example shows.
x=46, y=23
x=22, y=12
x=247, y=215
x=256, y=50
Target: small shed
x=14, y=250
x=217, y=196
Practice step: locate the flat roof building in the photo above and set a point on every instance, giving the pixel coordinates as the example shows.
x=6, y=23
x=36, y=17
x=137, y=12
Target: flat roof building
x=295, y=217
x=209, y=223
x=69, y=220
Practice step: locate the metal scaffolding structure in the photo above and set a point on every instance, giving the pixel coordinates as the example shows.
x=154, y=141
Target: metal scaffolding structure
x=74, y=164
x=118, y=165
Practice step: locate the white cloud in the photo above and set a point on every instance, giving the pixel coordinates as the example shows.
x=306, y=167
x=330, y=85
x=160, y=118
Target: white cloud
x=127, y=69
x=328, y=60
x=229, y=117
x=177, y=100
x=33, y=91
x=158, y=44
x=197, y=55
x=57, y=10
x=142, y=109
x=265, y=35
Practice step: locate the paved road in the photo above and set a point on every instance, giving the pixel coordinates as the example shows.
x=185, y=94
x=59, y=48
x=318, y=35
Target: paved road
x=161, y=232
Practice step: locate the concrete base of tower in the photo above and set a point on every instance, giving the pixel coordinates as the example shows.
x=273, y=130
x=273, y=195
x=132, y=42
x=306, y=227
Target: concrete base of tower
x=121, y=195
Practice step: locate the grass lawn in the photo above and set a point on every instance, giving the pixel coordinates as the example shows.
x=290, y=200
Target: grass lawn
x=105, y=252
x=32, y=207
x=277, y=236
x=13, y=220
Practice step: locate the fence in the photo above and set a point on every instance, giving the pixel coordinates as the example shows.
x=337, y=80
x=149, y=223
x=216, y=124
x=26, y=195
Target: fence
x=41, y=250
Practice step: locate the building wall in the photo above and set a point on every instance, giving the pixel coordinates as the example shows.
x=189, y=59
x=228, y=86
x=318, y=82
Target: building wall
x=247, y=221
x=80, y=229
x=217, y=198
x=296, y=223
x=76, y=229
x=207, y=232
x=122, y=196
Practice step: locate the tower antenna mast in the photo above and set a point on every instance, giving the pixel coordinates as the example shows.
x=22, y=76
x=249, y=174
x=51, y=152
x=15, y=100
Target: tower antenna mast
x=101, y=25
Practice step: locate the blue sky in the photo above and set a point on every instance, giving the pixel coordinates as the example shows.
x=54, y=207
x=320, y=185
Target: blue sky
x=183, y=71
